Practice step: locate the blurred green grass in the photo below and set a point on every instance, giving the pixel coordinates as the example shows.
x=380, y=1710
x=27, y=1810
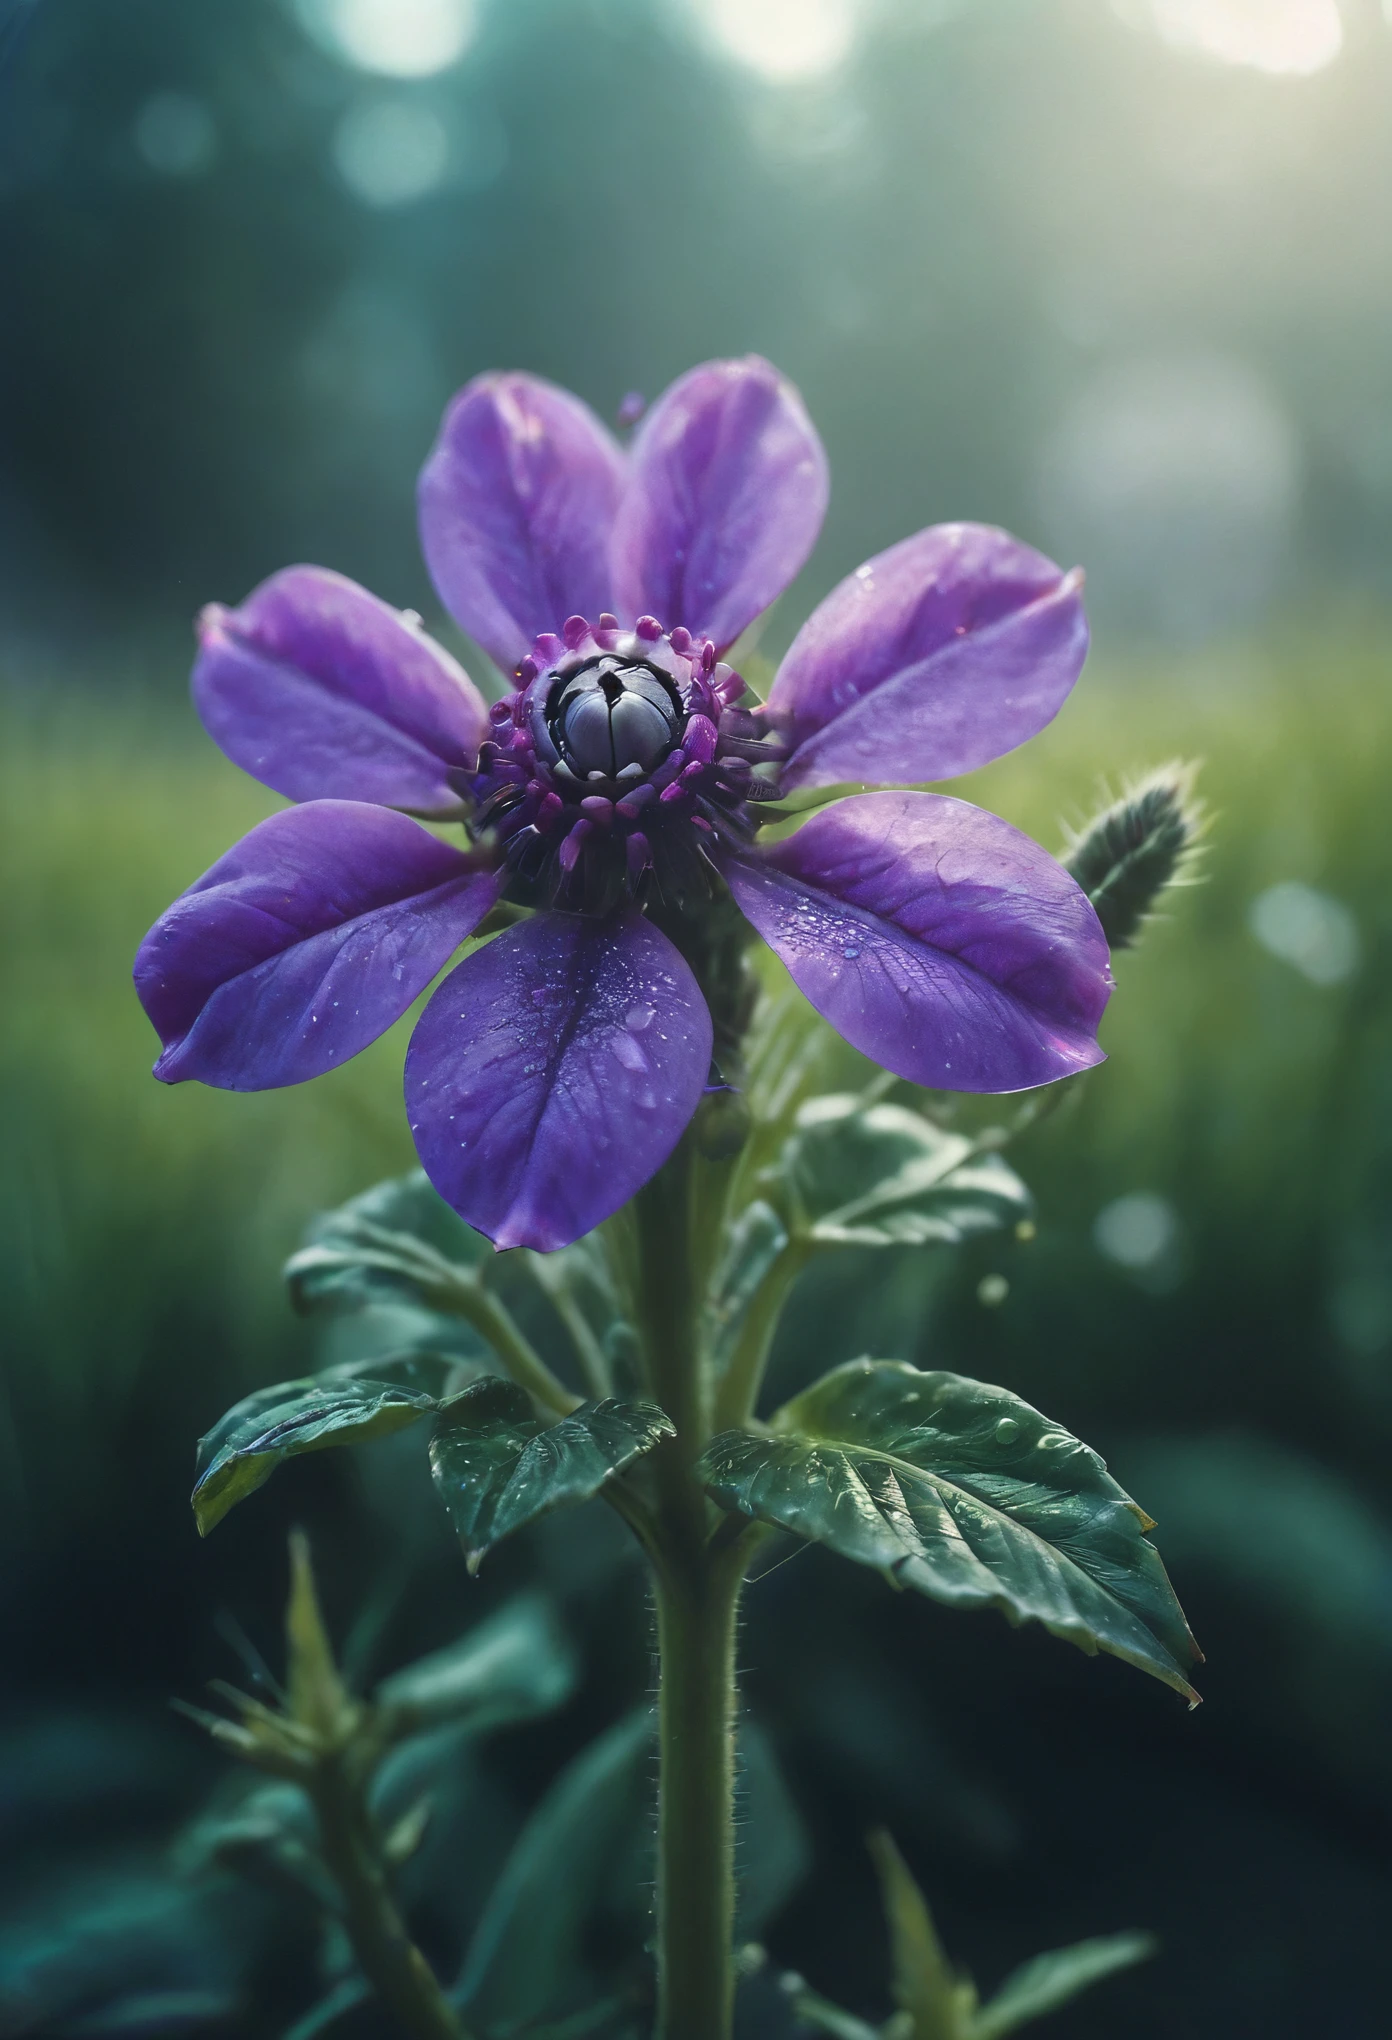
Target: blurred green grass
x=142, y=1227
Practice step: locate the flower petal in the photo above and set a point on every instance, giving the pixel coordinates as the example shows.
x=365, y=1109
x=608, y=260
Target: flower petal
x=936, y=938
x=553, y=1072
x=516, y=504
x=931, y=659
x=304, y=943
x=319, y=690
x=726, y=497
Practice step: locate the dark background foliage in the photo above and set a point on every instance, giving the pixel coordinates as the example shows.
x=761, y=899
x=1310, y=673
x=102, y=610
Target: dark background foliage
x=1032, y=262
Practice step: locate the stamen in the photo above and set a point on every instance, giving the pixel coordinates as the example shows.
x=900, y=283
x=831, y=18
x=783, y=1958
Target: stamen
x=632, y=804
x=574, y=843
x=700, y=737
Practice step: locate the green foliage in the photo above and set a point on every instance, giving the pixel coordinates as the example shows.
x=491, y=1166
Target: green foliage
x=936, y=2004
x=753, y=1247
x=967, y=1494
x=398, y=1236
x=333, y=1831
x=1040, y=1986
x=577, y=1864
x=575, y=1887
x=497, y=1466
x=344, y=1406
x=879, y=1175
x=517, y=1664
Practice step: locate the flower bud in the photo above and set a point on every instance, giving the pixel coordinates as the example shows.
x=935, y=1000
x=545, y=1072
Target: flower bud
x=1128, y=854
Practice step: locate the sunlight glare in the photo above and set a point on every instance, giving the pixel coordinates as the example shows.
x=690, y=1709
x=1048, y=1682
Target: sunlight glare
x=781, y=38
x=398, y=38
x=1290, y=38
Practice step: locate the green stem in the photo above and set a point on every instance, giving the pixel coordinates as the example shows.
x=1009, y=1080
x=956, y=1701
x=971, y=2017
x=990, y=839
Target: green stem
x=697, y=1595
x=697, y=1610
x=389, y=1959
x=738, y=1392
x=517, y=1353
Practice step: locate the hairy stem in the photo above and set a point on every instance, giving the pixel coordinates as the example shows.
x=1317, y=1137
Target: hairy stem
x=697, y=1610
x=697, y=1596
x=390, y=1960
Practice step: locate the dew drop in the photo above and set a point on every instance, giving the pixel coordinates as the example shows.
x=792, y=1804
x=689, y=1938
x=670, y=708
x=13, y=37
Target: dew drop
x=1007, y=1430
x=851, y=951
x=639, y=1017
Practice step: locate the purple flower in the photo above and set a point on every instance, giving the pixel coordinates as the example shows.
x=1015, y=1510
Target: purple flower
x=555, y=1068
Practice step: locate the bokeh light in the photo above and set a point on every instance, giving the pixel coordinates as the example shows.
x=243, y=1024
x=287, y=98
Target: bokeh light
x=390, y=151
x=782, y=39
x=175, y=134
x=399, y=38
x=1136, y=1232
x=1283, y=37
x=1317, y=935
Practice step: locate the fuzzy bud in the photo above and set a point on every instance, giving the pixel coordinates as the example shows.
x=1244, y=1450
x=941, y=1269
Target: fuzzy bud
x=1128, y=855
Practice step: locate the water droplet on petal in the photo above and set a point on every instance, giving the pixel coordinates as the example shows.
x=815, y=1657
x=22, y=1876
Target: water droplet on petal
x=1007, y=1430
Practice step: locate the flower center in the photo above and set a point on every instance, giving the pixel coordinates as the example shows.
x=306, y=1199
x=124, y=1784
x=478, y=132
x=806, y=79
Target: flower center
x=614, y=718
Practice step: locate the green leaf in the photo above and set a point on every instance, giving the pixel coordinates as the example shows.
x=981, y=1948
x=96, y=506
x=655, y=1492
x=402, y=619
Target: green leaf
x=515, y=1666
x=752, y=1248
x=571, y=1911
x=399, y=1238
x=937, y=2004
x=968, y=1494
x=880, y=1176
x=824, y=2017
x=530, y=1958
x=1051, y=1980
x=498, y=1466
x=341, y=1407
